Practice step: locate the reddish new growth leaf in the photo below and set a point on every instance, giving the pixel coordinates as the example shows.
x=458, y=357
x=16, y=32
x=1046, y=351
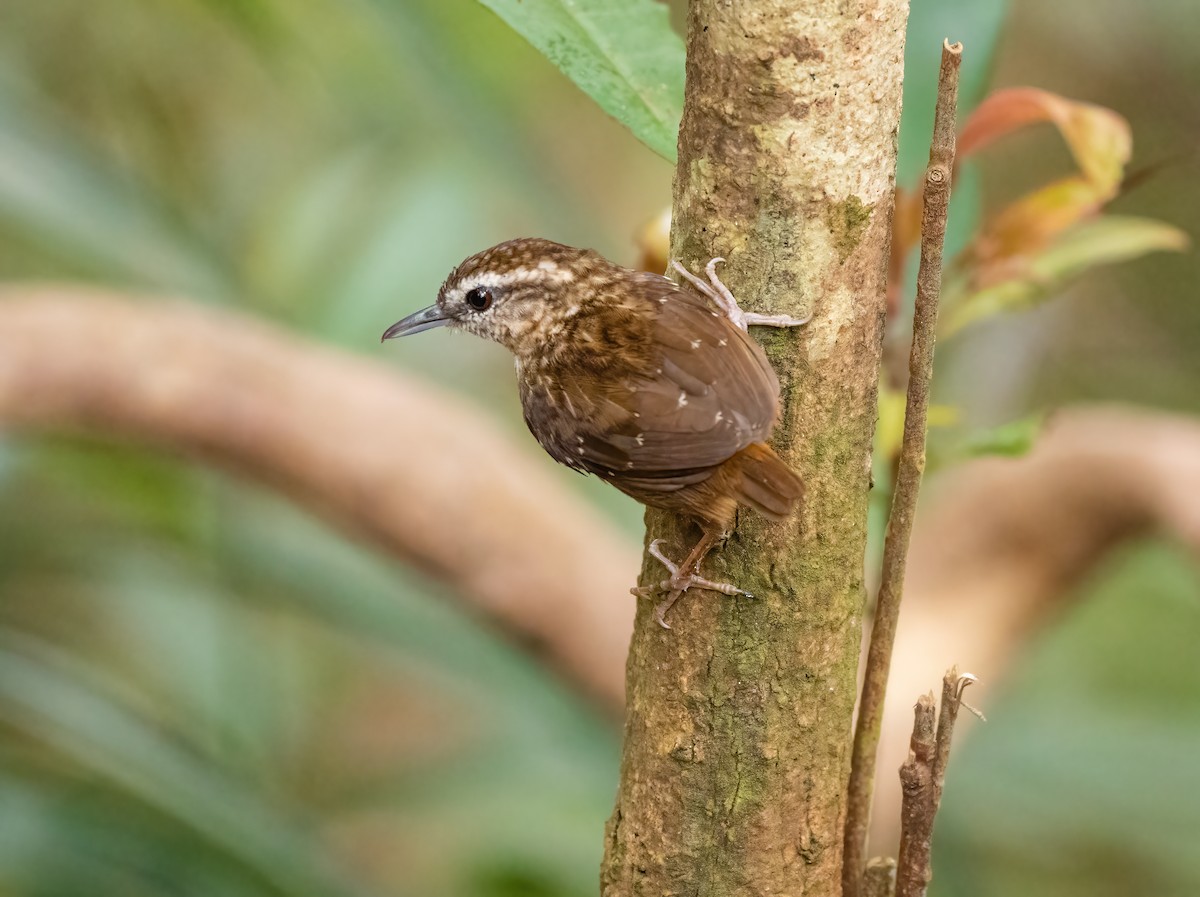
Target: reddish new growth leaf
x=1100, y=142
x=1098, y=138
x=1012, y=261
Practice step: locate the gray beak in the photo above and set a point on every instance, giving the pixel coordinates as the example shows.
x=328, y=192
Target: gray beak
x=425, y=319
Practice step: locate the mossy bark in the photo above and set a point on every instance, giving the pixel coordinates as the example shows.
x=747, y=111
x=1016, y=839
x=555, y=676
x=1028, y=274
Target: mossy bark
x=736, y=751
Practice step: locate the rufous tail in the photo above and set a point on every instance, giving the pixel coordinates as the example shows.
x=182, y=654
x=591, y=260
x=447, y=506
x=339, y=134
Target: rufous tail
x=766, y=484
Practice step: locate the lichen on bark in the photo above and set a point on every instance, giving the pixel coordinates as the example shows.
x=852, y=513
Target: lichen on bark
x=736, y=747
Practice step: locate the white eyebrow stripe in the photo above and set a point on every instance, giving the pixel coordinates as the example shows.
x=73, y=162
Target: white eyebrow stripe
x=545, y=270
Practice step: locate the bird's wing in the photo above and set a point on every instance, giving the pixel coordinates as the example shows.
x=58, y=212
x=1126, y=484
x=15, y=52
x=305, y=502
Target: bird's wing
x=701, y=389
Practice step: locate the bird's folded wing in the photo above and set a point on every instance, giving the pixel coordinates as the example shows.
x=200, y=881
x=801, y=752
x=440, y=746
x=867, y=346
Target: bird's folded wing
x=706, y=391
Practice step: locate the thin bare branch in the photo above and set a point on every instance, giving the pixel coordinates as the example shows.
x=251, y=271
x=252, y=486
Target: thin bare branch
x=909, y=471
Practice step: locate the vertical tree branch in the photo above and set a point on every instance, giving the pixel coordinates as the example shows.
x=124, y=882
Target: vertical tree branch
x=908, y=474
x=733, y=777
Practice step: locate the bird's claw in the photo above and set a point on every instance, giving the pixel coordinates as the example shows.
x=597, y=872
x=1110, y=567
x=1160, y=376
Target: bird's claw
x=721, y=296
x=678, y=583
x=660, y=610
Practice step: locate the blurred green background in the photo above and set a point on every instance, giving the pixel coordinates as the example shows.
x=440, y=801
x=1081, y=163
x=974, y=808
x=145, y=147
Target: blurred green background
x=204, y=690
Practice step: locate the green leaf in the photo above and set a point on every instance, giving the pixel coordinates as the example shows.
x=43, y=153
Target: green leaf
x=1010, y=440
x=1105, y=241
x=1100, y=241
x=621, y=53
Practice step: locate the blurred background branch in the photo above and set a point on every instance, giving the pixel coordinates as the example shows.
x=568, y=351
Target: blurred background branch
x=404, y=465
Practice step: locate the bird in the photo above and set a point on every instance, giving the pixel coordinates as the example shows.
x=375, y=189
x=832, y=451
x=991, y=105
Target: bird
x=652, y=385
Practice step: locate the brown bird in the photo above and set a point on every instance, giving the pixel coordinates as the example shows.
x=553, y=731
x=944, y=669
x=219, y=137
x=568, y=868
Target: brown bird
x=651, y=386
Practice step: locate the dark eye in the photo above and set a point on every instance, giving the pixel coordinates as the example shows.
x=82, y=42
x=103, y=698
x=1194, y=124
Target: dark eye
x=479, y=298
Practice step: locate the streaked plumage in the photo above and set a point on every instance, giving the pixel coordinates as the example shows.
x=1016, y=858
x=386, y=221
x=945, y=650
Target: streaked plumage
x=631, y=377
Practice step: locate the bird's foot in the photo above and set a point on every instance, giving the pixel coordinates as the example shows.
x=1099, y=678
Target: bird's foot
x=715, y=290
x=678, y=583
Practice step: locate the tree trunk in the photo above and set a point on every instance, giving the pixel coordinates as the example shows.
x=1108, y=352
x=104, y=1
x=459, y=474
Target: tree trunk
x=737, y=728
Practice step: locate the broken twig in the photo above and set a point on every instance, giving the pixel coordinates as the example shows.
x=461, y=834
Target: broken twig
x=922, y=779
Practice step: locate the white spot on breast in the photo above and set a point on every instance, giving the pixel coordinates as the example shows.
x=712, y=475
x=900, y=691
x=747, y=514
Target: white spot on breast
x=579, y=450
x=722, y=342
x=662, y=301
x=682, y=399
x=695, y=344
x=640, y=439
x=720, y=417
x=629, y=465
x=579, y=439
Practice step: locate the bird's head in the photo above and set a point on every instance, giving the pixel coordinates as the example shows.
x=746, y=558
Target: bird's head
x=517, y=293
